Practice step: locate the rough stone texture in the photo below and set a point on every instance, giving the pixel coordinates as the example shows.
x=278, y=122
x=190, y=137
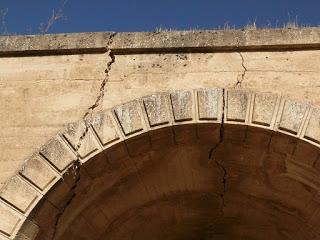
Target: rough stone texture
x=182, y=105
x=157, y=109
x=313, y=126
x=129, y=117
x=39, y=173
x=66, y=43
x=165, y=40
x=263, y=108
x=209, y=102
x=105, y=128
x=21, y=195
x=216, y=40
x=292, y=116
x=10, y=221
x=237, y=105
x=58, y=154
x=74, y=131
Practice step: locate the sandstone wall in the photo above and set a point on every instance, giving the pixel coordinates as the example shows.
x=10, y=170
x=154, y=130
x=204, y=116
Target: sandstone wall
x=48, y=81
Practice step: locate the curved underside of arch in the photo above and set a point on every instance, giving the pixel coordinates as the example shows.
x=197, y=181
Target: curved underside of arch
x=202, y=164
x=255, y=186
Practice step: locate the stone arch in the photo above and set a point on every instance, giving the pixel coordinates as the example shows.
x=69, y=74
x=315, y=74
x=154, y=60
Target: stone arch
x=129, y=123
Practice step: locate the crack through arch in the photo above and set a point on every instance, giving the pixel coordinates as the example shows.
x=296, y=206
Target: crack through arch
x=87, y=118
x=219, y=163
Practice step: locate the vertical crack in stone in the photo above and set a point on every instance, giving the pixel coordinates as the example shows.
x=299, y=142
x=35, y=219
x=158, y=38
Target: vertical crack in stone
x=211, y=154
x=76, y=172
x=87, y=118
x=241, y=77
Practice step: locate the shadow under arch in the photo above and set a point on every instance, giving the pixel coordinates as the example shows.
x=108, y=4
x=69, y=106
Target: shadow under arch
x=253, y=134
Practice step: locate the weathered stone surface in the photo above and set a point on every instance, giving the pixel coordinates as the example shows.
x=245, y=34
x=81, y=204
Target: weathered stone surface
x=264, y=108
x=182, y=105
x=292, y=116
x=66, y=43
x=18, y=193
x=209, y=103
x=74, y=132
x=157, y=107
x=9, y=220
x=237, y=105
x=313, y=127
x=219, y=39
x=41, y=94
x=129, y=117
x=47, y=92
x=3, y=237
x=39, y=173
x=28, y=231
x=139, y=41
x=58, y=154
x=104, y=128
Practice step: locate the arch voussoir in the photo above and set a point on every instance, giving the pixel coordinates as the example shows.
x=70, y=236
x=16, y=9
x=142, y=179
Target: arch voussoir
x=138, y=117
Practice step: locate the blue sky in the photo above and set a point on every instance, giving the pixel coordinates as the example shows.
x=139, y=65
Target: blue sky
x=25, y=16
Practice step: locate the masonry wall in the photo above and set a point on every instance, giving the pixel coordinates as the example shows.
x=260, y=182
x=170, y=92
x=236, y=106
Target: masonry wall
x=40, y=94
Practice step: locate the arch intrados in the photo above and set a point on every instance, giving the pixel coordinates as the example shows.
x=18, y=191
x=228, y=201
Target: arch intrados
x=150, y=114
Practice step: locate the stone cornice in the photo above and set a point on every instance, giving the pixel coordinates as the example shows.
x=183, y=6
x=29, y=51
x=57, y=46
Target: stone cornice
x=162, y=42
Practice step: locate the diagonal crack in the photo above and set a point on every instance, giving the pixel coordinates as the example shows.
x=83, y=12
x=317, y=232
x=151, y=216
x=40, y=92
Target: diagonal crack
x=211, y=153
x=241, y=77
x=87, y=118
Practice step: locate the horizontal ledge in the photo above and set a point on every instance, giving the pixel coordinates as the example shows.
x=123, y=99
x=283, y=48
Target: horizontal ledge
x=162, y=42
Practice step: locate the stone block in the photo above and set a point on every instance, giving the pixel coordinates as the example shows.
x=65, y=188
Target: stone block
x=20, y=194
x=182, y=105
x=129, y=117
x=75, y=131
x=313, y=127
x=292, y=116
x=58, y=154
x=237, y=105
x=39, y=173
x=157, y=107
x=209, y=103
x=264, y=108
x=105, y=128
x=10, y=220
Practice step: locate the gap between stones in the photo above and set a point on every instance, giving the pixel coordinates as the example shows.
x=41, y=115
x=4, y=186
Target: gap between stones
x=87, y=118
x=241, y=77
x=211, y=154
